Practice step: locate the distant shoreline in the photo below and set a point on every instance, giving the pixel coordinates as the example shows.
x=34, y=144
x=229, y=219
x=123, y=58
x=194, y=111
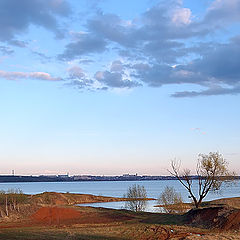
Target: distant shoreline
x=59, y=178
x=84, y=178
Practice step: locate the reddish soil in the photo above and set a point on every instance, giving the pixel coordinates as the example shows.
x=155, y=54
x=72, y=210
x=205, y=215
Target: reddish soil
x=224, y=218
x=100, y=223
x=61, y=215
x=232, y=222
x=55, y=215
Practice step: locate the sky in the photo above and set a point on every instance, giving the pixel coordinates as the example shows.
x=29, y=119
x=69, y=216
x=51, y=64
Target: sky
x=113, y=87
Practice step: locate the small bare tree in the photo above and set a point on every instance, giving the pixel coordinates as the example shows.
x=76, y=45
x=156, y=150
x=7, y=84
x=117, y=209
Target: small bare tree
x=11, y=200
x=137, y=195
x=171, y=201
x=212, y=171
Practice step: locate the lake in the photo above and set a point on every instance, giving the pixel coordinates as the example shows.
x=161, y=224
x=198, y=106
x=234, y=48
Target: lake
x=117, y=189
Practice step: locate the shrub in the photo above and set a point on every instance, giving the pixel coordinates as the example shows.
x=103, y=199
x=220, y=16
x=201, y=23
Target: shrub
x=137, y=195
x=171, y=201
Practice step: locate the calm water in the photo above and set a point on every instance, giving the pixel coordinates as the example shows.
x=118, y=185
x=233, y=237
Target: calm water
x=116, y=189
x=121, y=205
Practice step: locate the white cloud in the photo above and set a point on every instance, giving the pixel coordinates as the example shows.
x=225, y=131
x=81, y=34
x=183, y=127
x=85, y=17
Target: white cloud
x=28, y=75
x=181, y=16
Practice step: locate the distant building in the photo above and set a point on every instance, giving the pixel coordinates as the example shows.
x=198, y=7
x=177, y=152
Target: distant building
x=49, y=176
x=63, y=176
x=129, y=175
x=81, y=177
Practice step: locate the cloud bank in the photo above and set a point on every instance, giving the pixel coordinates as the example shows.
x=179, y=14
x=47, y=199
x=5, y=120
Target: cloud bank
x=17, y=16
x=164, y=45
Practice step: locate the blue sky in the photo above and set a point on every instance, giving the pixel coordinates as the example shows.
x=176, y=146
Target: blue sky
x=111, y=87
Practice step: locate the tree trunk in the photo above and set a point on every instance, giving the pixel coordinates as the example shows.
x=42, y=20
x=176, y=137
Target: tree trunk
x=1, y=213
x=6, y=206
x=195, y=202
x=200, y=201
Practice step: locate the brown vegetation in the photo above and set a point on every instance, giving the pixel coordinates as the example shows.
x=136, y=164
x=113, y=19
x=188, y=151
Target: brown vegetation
x=11, y=201
x=53, y=198
x=231, y=202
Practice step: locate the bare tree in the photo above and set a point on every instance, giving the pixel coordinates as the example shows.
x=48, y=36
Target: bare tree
x=212, y=171
x=137, y=195
x=171, y=201
x=11, y=200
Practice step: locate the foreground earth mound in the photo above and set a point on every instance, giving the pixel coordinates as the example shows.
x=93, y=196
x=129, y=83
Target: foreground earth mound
x=69, y=215
x=88, y=223
x=224, y=218
x=55, y=215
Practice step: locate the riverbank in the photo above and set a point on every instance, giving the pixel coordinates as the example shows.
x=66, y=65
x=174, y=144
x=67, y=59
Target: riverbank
x=54, y=198
x=55, y=216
